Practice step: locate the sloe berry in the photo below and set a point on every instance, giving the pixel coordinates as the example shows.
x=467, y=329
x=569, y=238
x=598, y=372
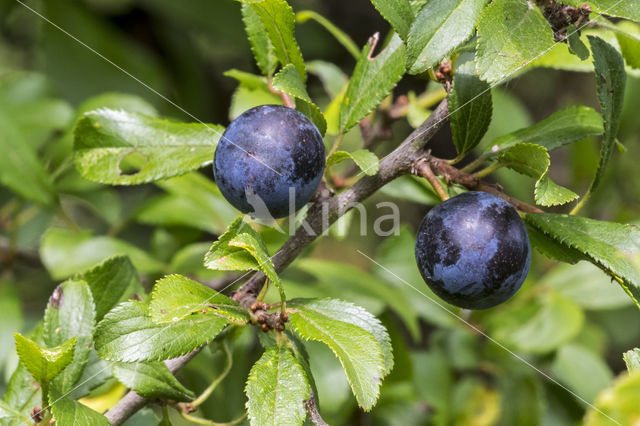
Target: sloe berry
x=264, y=154
x=473, y=250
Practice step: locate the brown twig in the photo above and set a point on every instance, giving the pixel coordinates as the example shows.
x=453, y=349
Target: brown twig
x=451, y=174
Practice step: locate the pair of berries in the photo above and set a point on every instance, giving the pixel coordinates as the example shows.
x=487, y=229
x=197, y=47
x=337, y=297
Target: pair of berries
x=472, y=250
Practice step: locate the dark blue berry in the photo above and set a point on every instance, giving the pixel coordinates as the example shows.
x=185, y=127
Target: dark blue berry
x=266, y=154
x=473, y=250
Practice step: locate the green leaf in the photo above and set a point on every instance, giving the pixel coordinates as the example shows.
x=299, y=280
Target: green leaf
x=191, y=195
x=629, y=9
x=353, y=284
x=533, y=160
x=151, y=380
x=511, y=34
x=241, y=248
x=65, y=252
x=632, y=359
x=613, y=247
x=581, y=370
x=260, y=44
x=332, y=77
x=66, y=411
x=23, y=392
x=560, y=128
x=553, y=249
x=372, y=80
x=611, y=80
x=364, y=159
x=470, y=108
x=44, y=364
x=20, y=169
x=289, y=81
x=357, y=349
x=70, y=314
x=548, y=193
x=558, y=321
x=576, y=45
x=526, y=158
x=628, y=36
x=398, y=13
x=583, y=284
x=340, y=310
x=7, y=412
x=105, y=140
x=439, y=28
x=176, y=297
x=128, y=334
x=619, y=402
x=111, y=282
x=246, y=79
x=279, y=21
x=276, y=389
x=342, y=37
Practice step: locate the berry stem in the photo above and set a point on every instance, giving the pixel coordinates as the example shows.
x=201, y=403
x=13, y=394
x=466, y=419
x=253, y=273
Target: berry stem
x=424, y=170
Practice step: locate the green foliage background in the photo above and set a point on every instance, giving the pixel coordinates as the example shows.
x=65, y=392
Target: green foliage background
x=571, y=322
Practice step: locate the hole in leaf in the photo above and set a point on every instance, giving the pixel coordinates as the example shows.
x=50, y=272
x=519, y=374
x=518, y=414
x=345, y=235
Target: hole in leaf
x=131, y=163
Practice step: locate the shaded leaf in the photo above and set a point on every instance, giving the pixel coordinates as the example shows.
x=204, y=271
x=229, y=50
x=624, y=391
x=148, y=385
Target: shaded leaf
x=470, y=108
x=191, y=200
x=357, y=349
x=558, y=321
x=342, y=37
x=111, y=282
x=560, y=128
x=106, y=139
x=526, y=158
x=364, y=159
x=20, y=169
x=66, y=252
x=548, y=193
x=576, y=45
x=587, y=286
x=332, y=77
x=66, y=411
x=551, y=248
x=372, y=80
x=70, y=314
x=511, y=34
x=128, y=334
x=439, y=28
x=581, y=370
x=151, y=380
x=611, y=80
x=176, y=297
x=276, y=389
x=613, y=247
